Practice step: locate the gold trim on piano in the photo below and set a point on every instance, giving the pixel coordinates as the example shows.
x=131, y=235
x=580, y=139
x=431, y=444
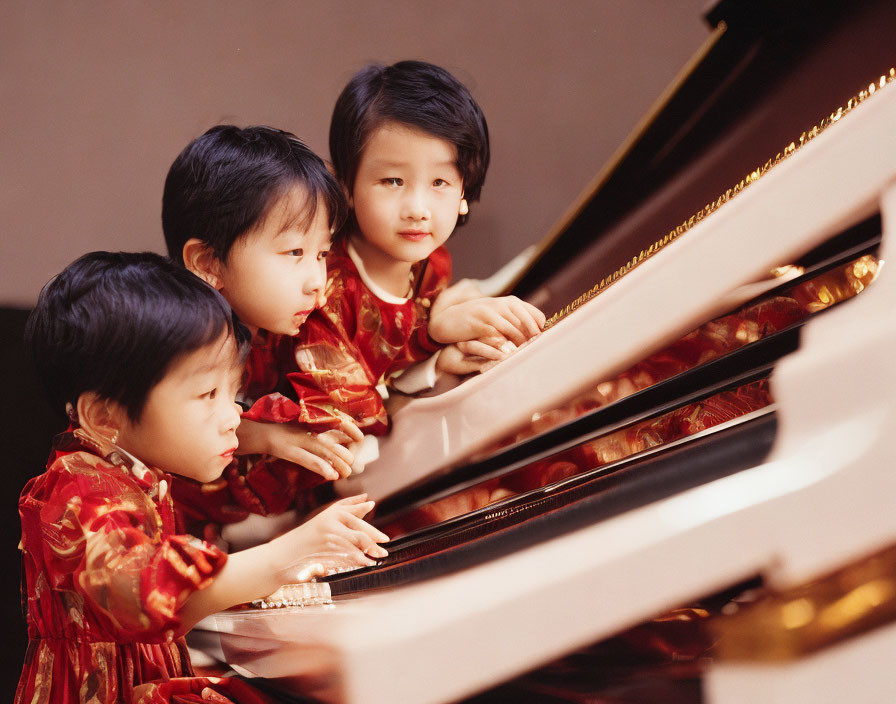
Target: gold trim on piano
x=795, y=622
x=730, y=193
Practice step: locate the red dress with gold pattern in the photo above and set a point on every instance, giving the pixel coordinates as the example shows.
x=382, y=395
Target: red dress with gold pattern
x=352, y=345
x=106, y=574
x=331, y=368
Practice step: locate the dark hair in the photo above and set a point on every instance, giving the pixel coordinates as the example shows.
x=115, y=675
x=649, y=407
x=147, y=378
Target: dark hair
x=417, y=94
x=113, y=323
x=225, y=182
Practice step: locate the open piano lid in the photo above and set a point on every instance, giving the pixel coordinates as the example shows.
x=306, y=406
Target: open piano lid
x=768, y=71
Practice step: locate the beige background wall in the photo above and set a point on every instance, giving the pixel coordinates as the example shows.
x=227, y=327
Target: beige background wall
x=99, y=97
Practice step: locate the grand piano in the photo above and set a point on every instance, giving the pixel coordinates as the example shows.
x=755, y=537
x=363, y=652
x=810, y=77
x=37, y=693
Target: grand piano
x=566, y=494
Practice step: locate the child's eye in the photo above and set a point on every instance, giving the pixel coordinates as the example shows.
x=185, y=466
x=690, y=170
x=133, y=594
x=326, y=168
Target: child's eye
x=323, y=254
x=296, y=252
x=210, y=394
x=393, y=181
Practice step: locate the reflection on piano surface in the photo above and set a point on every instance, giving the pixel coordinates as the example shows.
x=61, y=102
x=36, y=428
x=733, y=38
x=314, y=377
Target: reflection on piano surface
x=775, y=312
x=662, y=465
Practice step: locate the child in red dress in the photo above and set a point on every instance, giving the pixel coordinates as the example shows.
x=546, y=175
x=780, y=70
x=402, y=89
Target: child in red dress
x=251, y=211
x=410, y=148
x=146, y=359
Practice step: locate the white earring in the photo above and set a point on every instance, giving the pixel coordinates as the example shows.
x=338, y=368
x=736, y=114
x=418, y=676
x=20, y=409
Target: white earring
x=464, y=208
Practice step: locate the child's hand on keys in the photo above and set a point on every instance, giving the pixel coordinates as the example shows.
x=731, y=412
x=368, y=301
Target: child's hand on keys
x=336, y=537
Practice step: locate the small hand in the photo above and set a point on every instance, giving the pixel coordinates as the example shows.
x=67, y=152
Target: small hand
x=309, y=571
x=324, y=453
x=454, y=360
x=463, y=290
x=347, y=433
x=336, y=537
x=508, y=317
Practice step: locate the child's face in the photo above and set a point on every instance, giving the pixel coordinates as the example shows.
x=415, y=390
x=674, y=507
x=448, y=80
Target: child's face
x=407, y=192
x=188, y=425
x=275, y=275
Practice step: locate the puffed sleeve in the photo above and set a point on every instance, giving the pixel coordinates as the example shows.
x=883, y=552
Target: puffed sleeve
x=253, y=484
x=269, y=486
x=104, y=534
x=333, y=370
x=202, y=508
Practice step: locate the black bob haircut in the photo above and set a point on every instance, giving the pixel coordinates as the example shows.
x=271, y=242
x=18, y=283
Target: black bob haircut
x=225, y=182
x=416, y=94
x=114, y=322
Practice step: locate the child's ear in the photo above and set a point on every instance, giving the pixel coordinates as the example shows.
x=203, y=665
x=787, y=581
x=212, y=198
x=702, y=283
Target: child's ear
x=100, y=418
x=201, y=260
x=464, y=208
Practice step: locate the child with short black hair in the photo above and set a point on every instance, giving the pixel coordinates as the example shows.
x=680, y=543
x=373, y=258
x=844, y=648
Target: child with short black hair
x=251, y=211
x=410, y=147
x=146, y=360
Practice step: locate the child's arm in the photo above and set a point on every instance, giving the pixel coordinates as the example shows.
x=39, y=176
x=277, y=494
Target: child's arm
x=326, y=453
x=460, y=359
x=338, y=535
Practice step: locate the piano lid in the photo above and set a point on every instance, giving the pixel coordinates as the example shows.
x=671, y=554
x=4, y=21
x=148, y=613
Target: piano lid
x=768, y=71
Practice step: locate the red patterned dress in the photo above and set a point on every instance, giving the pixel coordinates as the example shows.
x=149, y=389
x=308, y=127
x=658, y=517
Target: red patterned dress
x=106, y=574
x=342, y=353
x=355, y=343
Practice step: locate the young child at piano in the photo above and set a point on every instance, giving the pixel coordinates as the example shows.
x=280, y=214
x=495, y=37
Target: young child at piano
x=146, y=360
x=251, y=211
x=410, y=148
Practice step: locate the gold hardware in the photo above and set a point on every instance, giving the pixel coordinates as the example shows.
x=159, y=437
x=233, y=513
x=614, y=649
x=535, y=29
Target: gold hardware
x=788, y=624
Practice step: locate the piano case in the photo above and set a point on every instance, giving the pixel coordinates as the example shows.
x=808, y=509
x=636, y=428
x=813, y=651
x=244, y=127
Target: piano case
x=636, y=457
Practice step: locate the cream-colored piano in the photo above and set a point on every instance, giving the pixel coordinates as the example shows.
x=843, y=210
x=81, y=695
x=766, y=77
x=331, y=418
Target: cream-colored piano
x=797, y=491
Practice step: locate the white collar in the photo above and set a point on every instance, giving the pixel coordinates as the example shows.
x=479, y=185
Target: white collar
x=375, y=288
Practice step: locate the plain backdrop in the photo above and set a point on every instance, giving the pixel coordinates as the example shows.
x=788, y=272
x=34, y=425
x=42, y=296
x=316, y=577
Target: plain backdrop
x=98, y=98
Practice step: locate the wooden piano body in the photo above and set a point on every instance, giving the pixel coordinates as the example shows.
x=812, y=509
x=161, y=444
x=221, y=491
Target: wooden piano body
x=819, y=500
